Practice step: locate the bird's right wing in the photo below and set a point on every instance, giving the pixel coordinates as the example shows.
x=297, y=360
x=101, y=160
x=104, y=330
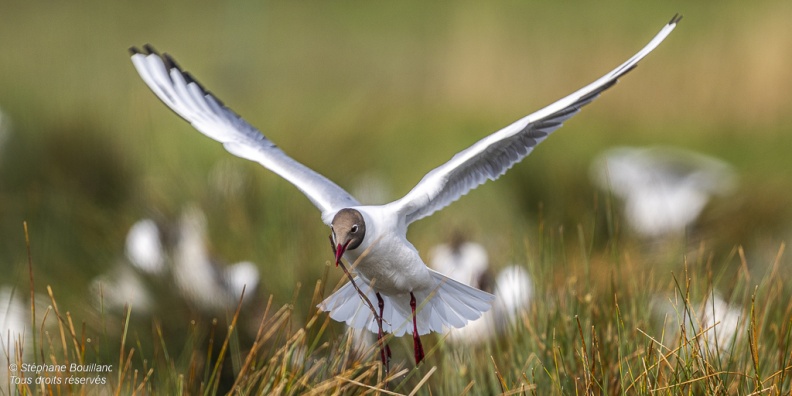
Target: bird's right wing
x=187, y=98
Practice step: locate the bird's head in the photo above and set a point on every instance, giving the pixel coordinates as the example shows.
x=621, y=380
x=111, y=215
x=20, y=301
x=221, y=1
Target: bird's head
x=349, y=229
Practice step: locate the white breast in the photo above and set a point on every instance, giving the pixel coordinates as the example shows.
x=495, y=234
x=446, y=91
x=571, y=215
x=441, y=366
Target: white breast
x=386, y=257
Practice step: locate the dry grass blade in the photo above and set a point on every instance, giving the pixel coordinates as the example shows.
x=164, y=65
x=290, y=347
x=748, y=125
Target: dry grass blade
x=663, y=358
x=123, y=347
x=771, y=389
x=365, y=298
x=124, y=369
x=468, y=388
x=587, y=369
x=520, y=391
x=143, y=383
x=753, y=343
x=352, y=280
x=61, y=322
x=423, y=381
x=378, y=387
x=679, y=384
x=257, y=343
x=213, y=379
x=369, y=387
x=501, y=381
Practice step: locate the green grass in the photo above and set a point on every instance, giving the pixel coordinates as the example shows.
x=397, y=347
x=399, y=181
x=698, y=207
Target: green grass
x=595, y=333
x=89, y=150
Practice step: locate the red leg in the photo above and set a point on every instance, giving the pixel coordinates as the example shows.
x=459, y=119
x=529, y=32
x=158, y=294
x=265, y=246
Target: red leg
x=385, y=352
x=419, y=352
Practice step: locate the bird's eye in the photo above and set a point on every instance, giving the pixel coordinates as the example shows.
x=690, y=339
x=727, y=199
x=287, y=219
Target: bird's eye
x=354, y=228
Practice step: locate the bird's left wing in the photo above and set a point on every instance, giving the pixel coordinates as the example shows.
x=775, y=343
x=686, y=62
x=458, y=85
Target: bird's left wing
x=187, y=98
x=491, y=157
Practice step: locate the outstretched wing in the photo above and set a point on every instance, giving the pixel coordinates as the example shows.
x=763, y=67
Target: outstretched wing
x=491, y=157
x=179, y=91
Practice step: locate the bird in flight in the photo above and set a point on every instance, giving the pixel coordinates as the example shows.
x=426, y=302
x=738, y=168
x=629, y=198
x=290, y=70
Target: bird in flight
x=411, y=297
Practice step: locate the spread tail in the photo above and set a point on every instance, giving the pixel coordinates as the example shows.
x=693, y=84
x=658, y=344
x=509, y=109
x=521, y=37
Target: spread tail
x=449, y=304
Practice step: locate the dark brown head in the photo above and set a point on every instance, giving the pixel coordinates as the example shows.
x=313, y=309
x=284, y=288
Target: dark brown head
x=349, y=229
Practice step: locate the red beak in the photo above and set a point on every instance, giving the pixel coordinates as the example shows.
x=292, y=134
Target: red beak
x=340, y=249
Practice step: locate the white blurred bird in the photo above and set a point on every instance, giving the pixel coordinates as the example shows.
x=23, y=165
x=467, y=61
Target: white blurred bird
x=120, y=287
x=468, y=262
x=144, y=247
x=204, y=282
x=461, y=260
x=664, y=189
x=123, y=284
x=726, y=321
x=513, y=293
x=15, y=334
x=13, y=320
x=722, y=321
x=391, y=270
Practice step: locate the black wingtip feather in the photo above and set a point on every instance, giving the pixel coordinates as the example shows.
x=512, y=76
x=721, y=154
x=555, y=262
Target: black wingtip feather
x=170, y=63
x=677, y=17
x=150, y=50
x=190, y=79
x=133, y=50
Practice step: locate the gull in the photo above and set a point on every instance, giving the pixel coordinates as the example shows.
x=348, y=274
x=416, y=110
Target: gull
x=727, y=321
x=13, y=321
x=121, y=287
x=14, y=339
x=201, y=279
x=664, y=189
x=144, y=248
x=720, y=323
x=514, y=291
x=181, y=260
x=374, y=236
x=468, y=262
x=462, y=260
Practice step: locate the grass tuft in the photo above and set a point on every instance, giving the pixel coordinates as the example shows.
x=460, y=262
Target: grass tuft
x=604, y=323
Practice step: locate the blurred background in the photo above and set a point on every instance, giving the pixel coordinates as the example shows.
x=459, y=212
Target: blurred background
x=394, y=89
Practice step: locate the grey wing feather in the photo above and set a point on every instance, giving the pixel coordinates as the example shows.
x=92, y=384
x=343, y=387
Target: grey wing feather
x=492, y=156
x=187, y=98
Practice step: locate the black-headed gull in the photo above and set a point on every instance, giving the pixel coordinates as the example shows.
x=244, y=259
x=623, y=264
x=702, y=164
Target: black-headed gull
x=391, y=270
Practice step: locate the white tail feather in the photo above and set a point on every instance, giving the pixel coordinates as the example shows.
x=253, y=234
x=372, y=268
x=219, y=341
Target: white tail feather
x=448, y=305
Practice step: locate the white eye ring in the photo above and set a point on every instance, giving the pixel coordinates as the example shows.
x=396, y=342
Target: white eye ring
x=355, y=228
